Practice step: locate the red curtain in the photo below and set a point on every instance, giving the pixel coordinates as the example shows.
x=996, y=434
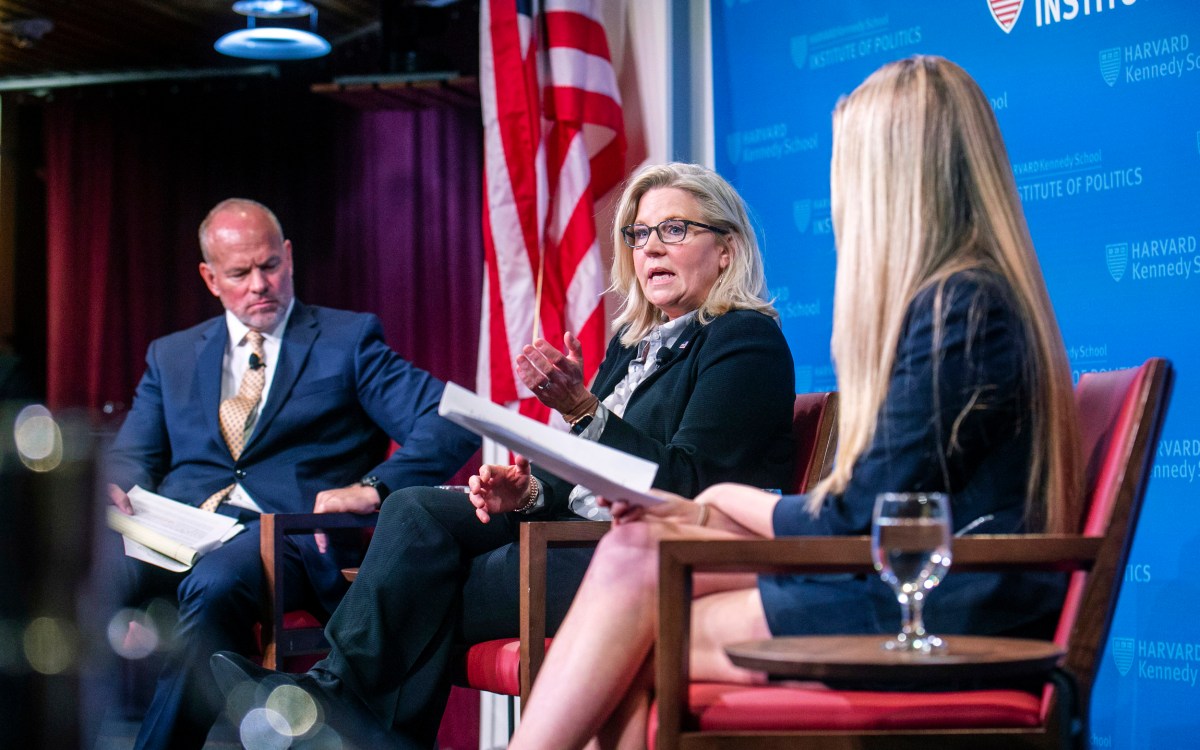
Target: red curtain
x=382, y=209
x=409, y=246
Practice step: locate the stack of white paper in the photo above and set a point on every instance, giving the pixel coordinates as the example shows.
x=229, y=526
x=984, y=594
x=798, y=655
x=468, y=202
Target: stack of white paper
x=606, y=471
x=168, y=533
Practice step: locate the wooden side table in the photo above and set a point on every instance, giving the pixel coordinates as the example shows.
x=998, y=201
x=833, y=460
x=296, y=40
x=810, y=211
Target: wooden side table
x=863, y=657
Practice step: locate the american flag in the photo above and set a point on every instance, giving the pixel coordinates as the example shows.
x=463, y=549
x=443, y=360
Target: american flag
x=554, y=143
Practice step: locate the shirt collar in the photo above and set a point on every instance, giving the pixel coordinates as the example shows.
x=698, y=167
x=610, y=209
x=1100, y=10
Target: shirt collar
x=670, y=331
x=662, y=336
x=238, y=329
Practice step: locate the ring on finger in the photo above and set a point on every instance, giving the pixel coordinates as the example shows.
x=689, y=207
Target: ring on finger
x=544, y=386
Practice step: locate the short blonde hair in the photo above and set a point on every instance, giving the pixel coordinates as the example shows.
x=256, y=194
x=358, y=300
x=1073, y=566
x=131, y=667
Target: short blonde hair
x=741, y=286
x=922, y=188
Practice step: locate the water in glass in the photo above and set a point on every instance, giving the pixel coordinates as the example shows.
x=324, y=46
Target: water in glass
x=910, y=545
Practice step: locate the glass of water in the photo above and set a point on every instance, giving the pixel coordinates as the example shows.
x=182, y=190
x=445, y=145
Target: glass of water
x=910, y=545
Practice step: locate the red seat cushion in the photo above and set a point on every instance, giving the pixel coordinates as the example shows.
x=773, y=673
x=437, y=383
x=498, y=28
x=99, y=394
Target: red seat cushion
x=810, y=706
x=300, y=618
x=297, y=618
x=495, y=666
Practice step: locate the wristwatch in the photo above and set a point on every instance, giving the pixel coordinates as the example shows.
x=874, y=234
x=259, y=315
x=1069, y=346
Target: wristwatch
x=375, y=483
x=581, y=424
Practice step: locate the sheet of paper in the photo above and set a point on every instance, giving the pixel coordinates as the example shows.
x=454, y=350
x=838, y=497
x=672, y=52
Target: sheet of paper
x=167, y=533
x=198, y=529
x=145, y=554
x=134, y=531
x=606, y=471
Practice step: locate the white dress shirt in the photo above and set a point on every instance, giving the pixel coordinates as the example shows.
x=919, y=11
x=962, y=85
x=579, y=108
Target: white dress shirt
x=234, y=367
x=582, y=500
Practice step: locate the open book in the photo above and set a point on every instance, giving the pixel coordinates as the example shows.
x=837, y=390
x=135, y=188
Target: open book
x=168, y=533
x=606, y=471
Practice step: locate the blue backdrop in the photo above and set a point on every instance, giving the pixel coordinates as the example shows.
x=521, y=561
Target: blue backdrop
x=1099, y=102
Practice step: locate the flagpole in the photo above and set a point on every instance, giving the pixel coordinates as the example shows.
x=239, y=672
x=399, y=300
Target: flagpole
x=540, y=19
x=537, y=299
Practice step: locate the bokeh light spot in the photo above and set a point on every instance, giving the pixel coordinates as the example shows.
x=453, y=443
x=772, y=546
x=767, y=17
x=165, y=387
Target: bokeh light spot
x=240, y=700
x=38, y=438
x=297, y=708
x=50, y=645
x=133, y=634
x=263, y=729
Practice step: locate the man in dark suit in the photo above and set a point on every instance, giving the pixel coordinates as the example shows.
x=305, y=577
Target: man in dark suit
x=275, y=406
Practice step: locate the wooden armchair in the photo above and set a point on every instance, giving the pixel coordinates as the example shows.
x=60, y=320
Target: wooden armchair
x=292, y=640
x=1121, y=414
x=508, y=666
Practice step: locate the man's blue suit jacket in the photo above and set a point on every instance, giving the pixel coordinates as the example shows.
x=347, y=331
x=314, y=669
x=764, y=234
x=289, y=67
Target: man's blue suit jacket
x=339, y=393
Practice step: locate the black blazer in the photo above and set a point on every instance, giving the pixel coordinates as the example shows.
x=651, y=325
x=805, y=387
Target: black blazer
x=980, y=374
x=718, y=410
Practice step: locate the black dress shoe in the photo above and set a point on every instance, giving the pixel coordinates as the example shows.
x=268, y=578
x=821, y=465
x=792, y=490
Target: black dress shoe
x=234, y=670
x=266, y=705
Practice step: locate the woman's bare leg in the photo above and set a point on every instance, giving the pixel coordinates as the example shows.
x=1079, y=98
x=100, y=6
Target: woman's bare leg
x=626, y=727
x=607, y=635
x=718, y=620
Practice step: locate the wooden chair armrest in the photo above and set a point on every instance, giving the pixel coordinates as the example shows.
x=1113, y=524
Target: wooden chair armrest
x=853, y=554
x=679, y=559
x=273, y=527
x=536, y=538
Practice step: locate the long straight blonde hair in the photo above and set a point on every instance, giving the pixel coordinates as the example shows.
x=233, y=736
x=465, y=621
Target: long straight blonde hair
x=922, y=188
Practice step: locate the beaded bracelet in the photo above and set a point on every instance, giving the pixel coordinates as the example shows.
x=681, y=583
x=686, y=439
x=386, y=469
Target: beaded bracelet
x=535, y=489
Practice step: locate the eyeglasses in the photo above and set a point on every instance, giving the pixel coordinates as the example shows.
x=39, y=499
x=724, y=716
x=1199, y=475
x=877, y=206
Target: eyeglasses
x=669, y=231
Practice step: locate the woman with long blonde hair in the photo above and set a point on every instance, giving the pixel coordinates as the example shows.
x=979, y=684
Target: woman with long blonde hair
x=953, y=378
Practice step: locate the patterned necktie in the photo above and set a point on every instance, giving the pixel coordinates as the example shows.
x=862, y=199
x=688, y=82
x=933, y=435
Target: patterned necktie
x=237, y=412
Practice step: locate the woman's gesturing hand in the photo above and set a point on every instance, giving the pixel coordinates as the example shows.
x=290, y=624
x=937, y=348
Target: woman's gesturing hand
x=555, y=378
x=499, y=489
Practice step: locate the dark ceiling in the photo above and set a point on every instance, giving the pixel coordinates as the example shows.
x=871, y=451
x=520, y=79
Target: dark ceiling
x=156, y=36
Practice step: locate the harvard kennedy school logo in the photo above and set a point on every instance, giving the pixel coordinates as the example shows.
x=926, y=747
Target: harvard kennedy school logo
x=1117, y=257
x=1110, y=64
x=802, y=213
x=1122, y=651
x=800, y=51
x=1005, y=13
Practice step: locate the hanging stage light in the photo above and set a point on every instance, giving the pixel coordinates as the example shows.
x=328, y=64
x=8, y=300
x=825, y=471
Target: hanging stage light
x=274, y=42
